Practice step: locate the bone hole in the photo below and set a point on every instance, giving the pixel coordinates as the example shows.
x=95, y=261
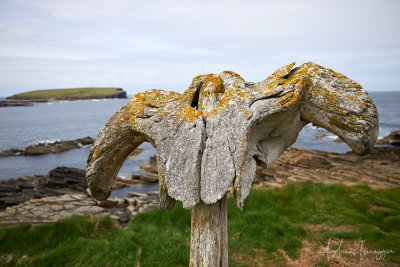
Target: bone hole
x=195, y=101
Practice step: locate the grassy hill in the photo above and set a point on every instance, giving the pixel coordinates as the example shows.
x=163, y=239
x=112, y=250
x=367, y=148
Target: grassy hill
x=71, y=94
x=284, y=226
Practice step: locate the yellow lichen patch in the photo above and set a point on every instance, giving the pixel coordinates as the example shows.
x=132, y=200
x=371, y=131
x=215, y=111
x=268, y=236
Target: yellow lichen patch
x=152, y=99
x=100, y=149
x=330, y=100
x=282, y=71
x=229, y=97
x=233, y=74
x=189, y=113
x=294, y=95
x=276, y=82
x=293, y=85
x=188, y=95
x=211, y=90
x=335, y=120
x=362, y=103
x=247, y=112
x=216, y=82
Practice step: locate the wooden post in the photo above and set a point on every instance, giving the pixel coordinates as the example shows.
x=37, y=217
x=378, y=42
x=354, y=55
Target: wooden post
x=209, y=234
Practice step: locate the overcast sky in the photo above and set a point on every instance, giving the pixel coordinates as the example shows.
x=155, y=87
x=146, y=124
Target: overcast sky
x=140, y=45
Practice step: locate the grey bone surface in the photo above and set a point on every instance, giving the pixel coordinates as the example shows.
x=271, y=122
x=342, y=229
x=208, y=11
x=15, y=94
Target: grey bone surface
x=202, y=155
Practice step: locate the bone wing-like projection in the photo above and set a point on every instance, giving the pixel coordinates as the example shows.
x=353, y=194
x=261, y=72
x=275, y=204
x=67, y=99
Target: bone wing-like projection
x=209, y=138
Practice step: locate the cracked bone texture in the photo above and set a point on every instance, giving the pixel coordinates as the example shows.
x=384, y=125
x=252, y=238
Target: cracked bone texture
x=205, y=151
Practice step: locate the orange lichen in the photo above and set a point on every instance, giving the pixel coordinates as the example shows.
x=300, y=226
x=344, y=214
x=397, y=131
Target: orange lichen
x=283, y=71
x=233, y=74
x=334, y=120
x=152, y=99
x=211, y=90
x=291, y=83
x=189, y=113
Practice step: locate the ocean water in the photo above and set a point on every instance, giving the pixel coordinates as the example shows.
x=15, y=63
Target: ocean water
x=388, y=104
x=69, y=120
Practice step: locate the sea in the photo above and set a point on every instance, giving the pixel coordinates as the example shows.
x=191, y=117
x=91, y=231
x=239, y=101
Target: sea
x=69, y=120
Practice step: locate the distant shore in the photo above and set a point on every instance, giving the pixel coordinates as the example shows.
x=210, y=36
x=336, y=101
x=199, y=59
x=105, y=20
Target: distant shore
x=70, y=94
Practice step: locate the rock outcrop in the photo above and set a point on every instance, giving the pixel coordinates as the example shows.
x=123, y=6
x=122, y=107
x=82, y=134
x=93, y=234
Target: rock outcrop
x=48, y=147
x=150, y=167
x=392, y=139
x=55, y=147
x=51, y=209
x=63, y=192
x=11, y=103
x=378, y=169
x=59, y=181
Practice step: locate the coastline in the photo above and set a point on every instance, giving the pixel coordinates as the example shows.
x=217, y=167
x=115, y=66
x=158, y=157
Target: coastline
x=62, y=192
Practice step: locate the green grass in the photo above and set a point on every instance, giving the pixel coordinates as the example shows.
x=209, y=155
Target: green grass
x=271, y=220
x=71, y=93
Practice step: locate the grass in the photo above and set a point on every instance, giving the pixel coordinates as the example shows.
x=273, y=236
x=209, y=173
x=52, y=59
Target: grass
x=71, y=93
x=273, y=223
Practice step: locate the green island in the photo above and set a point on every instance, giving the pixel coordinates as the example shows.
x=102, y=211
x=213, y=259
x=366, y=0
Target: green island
x=71, y=94
x=299, y=224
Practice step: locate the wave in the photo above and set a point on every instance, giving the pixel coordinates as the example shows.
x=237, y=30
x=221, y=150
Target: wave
x=312, y=127
x=46, y=141
x=333, y=137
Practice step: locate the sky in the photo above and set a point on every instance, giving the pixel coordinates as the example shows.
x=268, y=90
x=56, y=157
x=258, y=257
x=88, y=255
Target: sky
x=141, y=45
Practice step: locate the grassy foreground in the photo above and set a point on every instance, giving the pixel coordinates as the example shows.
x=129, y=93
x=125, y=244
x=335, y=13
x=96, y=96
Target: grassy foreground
x=273, y=229
x=72, y=93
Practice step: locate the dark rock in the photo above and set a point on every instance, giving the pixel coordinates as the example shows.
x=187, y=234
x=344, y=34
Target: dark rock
x=135, y=152
x=60, y=181
x=150, y=166
x=46, y=148
x=106, y=204
x=392, y=139
x=85, y=141
x=146, y=178
x=14, y=103
x=56, y=147
x=379, y=169
x=11, y=152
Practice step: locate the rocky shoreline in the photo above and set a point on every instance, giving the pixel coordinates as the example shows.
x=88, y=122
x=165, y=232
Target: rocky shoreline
x=14, y=103
x=48, y=147
x=379, y=169
x=63, y=192
x=392, y=139
x=51, y=209
x=44, y=148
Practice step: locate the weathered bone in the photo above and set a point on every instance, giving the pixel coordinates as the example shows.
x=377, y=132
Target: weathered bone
x=203, y=154
x=209, y=138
